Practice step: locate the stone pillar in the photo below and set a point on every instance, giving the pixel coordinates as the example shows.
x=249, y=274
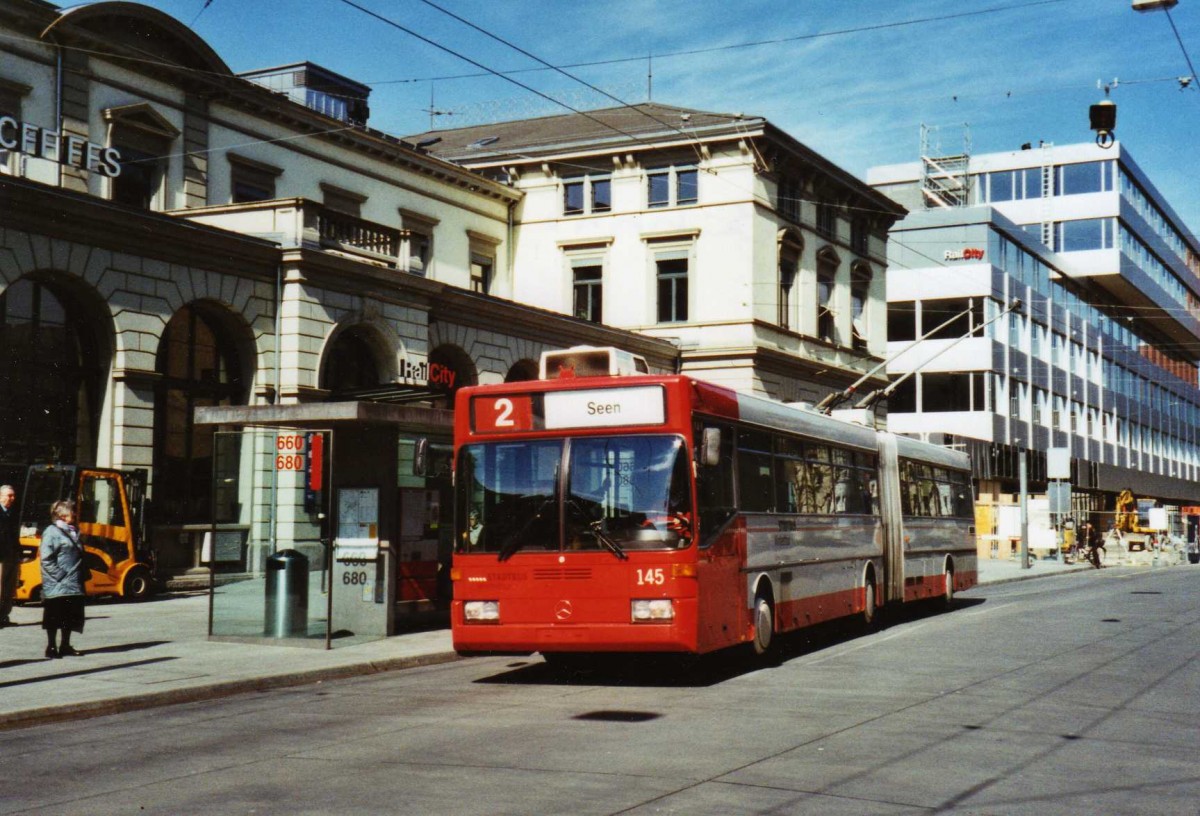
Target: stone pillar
x=195, y=151
x=76, y=105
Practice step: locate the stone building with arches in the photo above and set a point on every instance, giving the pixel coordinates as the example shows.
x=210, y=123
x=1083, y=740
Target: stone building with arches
x=175, y=238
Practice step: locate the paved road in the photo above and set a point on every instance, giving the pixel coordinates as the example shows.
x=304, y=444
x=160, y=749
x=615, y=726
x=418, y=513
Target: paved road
x=1067, y=695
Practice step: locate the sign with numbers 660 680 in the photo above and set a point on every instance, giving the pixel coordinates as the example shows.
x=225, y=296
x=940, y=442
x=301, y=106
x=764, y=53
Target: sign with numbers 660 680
x=289, y=451
x=508, y=413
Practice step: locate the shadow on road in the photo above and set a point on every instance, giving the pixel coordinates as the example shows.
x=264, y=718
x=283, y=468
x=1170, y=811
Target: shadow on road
x=691, y=671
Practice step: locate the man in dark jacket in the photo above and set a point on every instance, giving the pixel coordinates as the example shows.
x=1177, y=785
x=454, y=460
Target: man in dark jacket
x=10, y=549
x=1091, y=537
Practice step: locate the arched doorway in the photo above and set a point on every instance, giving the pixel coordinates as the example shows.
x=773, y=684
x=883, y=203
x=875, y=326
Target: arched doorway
x=200, y=365
x=450, y=368
x=521, y=371
x=54, y=374
x=351, y=363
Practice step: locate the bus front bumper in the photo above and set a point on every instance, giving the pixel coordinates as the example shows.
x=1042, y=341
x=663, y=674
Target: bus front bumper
x=677, y=635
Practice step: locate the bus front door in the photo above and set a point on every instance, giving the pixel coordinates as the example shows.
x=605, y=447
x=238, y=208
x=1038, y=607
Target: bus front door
x=722, y=601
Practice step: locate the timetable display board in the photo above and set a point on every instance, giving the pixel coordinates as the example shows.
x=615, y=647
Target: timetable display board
x=357, y=524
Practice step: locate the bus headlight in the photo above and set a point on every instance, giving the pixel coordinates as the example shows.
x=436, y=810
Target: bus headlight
x=481, y=611
x=657, y=609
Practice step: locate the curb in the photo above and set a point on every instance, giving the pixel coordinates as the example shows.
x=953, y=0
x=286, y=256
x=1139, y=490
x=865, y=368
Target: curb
x=100, y=708
x=1031, y=575
x=1079, y=568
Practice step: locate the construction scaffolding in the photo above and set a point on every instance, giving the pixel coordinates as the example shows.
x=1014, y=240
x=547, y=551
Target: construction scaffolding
x=945, y=177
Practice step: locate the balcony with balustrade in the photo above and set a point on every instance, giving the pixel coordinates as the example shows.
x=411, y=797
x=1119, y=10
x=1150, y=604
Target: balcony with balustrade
x=299, y=223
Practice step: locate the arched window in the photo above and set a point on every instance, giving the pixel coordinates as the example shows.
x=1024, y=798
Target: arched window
x=860, y=294
x=350, y=363
x=790, y=247
x=199, y=366
x=827, y=264
x=54, y=372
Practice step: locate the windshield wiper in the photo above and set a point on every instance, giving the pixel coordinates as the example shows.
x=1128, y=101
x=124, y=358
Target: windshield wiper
x=517, y=539
x=609, y=544
x=596, y=528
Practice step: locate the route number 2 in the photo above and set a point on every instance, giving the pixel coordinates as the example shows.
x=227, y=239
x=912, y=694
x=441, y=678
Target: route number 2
x=651, y=576
x=503, y=413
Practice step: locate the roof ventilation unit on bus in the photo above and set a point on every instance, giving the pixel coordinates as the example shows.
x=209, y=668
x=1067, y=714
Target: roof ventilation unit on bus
x=590, y=361
x=858, y=416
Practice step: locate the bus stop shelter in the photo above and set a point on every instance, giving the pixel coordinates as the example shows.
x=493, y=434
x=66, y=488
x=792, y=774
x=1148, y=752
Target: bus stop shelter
x=321, y=533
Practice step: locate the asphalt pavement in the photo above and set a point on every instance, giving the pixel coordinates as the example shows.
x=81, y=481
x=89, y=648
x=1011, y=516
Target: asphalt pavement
x=155, y=653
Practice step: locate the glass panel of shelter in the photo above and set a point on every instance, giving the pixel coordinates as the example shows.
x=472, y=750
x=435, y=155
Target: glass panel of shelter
x=268, y=546
x=296, y=555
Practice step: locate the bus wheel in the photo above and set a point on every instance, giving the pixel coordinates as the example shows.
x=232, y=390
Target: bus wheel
x=870, y=612
x=948, y=592
x=137, y=585
x=764, y=624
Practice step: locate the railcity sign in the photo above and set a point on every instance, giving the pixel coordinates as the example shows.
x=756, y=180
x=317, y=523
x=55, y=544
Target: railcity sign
x=966, y=254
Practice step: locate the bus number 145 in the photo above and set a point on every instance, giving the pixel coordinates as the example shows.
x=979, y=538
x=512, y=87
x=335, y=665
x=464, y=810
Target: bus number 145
x=651, y=576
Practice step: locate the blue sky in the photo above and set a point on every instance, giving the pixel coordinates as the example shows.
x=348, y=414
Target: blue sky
x=1013, y=71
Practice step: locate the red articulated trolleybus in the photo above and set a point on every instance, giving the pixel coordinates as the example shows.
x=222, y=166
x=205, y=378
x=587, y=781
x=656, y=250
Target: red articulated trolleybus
x=609, y=510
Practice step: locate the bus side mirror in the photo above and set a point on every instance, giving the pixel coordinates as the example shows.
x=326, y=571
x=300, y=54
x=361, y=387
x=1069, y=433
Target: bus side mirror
x=710, y=447
x=420, y=466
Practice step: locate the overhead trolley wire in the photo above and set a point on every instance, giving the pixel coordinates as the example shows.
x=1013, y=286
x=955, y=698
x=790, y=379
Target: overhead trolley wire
x=559, y=70
x=387, y=21
x=751, y=44
x=1179, y=40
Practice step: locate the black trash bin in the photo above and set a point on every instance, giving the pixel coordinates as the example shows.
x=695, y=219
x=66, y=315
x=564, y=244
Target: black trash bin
x=287, y=595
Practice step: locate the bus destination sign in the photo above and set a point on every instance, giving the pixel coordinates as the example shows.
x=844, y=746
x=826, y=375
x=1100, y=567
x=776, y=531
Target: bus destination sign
x=605, y=407
x=575, y=408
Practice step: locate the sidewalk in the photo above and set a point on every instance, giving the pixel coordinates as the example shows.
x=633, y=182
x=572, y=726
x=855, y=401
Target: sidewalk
x=1003, y=570
x=158, y=653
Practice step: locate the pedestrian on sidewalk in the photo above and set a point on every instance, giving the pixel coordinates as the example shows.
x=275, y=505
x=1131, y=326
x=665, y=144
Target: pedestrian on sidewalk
x=61, y=556
x=10, y=550
x=1094, y=544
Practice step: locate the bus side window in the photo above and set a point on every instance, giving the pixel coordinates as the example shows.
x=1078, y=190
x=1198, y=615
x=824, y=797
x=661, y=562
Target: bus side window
x=847, y=495
x=908, y=488
x=756, y=482
x=964, y=499
x=714, y=486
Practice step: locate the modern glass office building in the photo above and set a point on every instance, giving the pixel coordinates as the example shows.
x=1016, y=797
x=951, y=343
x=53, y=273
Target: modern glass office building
x=1101, y=357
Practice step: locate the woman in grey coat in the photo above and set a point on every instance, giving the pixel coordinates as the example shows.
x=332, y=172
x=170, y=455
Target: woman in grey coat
x=61, y=556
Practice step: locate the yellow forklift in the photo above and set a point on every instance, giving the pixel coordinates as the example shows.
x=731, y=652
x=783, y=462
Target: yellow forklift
x=109, y=512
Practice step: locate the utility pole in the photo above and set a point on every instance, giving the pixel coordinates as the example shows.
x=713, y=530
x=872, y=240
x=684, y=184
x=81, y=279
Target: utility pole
x=1023, y=470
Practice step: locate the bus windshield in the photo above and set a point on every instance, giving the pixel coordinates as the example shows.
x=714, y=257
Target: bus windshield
x=617, y=493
